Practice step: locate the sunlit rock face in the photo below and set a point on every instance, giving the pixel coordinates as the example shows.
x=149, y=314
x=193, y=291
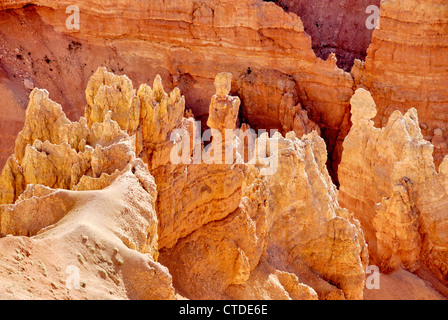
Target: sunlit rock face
x=107, y=194
x=198, y=149
x=390, y=182
x=406, y=66
x=187, y=43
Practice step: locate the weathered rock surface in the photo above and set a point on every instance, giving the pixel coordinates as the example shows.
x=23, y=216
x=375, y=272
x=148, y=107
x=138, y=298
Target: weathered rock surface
x=106, y=239
x=335, y=27
x=389, y=181
x=271, y=101
x=282, y=228
x=131, y=179
x=270, y=227
x=272, y=230
x=69, y=151
x=187, y=42
x=105, y=231
x=407, y=65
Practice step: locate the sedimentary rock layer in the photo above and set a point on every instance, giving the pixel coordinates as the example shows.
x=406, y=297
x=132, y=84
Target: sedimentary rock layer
x=335, y=26
x=407, y=65
x=186, y=42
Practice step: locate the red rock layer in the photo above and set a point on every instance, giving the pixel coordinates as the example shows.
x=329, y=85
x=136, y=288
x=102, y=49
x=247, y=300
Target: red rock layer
x=187, y=42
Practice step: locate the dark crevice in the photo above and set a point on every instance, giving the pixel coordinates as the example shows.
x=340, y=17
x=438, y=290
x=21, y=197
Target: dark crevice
x=337, y=27
x=28, y=6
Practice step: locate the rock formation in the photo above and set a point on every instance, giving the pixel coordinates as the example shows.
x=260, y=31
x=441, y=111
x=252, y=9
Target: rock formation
x=271, y=101
x=79, y=201
x=272, y=229
x=390, y=182
x=217, y=182
x=107, y=237
x=335, y=27
x=187, y=43
x=407, y=64
x=197, y=230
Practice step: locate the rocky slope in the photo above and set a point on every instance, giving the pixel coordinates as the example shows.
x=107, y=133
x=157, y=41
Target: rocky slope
x=335, y=27
x=169, y=191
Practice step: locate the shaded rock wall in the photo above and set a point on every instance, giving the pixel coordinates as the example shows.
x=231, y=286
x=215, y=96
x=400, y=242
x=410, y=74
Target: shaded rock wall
x=335, y=26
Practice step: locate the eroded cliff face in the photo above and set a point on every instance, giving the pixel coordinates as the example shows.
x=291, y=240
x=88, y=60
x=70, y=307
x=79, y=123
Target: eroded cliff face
x=125, y=185
x=187, y=42
x=268, y=51
x=335, y=27
x=407, y=64
x=78, y=202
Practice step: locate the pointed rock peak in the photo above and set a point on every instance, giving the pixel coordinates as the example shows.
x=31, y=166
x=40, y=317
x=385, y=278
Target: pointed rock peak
x=108, y=116
x=175, y=95
x=157, y=88
x=39, y=94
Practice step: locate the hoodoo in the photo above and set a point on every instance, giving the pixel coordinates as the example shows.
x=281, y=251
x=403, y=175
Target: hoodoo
x=223, y=150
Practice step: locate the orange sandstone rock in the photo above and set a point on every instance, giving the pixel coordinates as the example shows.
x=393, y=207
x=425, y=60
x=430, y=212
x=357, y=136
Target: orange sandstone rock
x=407, y=63
x=388, y=179
x=187, y=43
x=228, y=230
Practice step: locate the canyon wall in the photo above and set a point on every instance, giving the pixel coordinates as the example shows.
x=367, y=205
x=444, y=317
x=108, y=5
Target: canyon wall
x=186, y=42
x=268, y=51
x=335, y=26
